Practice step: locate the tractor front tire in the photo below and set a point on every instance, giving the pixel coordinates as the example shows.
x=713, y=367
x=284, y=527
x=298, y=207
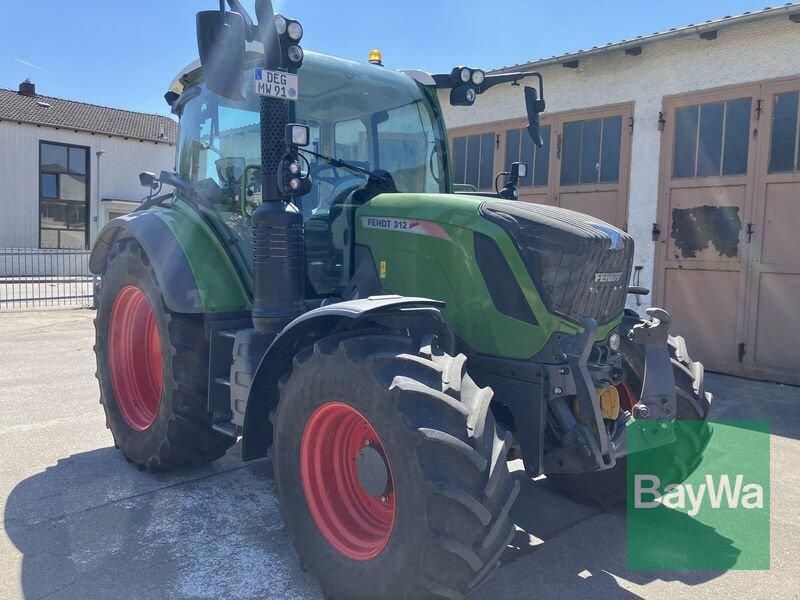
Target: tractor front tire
x=391, y=470
x=609, y=488
x=152, y=367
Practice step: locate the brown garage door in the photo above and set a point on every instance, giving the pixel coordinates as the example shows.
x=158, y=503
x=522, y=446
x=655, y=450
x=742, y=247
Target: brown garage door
x=727, y=255
x=583, y=164
x=592, y=154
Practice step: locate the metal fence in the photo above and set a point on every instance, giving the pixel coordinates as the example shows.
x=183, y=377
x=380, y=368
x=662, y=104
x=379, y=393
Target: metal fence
x=33, y=278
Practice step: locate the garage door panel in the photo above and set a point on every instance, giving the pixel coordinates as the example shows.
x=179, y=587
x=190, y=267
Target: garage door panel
x=603, y=205
x=777, y=325
x=730, y=205
x=705, y=223
x=536, y=197
x=703, y=305
x=592, y=161
x=780, y=245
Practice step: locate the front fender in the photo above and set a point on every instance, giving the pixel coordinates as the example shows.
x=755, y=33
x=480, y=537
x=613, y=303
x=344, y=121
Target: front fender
x=306, y=330
x=194, y=271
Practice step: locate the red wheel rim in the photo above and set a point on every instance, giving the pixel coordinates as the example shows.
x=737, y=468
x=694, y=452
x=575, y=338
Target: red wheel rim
x=627, y=399
x=355, y=523
x=134, y=354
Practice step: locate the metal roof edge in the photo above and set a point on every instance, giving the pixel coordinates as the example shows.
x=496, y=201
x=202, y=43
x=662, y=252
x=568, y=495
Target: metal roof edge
x=723, y=22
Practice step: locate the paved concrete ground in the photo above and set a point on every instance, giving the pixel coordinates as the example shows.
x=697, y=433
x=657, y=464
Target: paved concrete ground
x=79, y=522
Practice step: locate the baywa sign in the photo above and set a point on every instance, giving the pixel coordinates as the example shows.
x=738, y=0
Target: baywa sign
x=702, y=503
x=715, y=492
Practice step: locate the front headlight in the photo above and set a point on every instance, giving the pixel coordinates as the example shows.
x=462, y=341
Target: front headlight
x=613, y=341
x=295, y=31
x=295, y=54
x=478, y=77
x=465, y=75
x=280, y=24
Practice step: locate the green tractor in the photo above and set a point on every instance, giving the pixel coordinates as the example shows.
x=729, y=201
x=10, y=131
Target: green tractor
x=313, y=287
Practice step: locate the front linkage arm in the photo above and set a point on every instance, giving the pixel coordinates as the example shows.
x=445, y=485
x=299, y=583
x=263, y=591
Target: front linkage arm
x=657, y=402
x=586, y=445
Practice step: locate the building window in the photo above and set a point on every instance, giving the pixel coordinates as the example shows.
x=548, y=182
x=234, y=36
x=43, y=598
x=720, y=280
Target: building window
x=784, y=149
x=590, y=151
x=63, y=196
x=520, y=148
x=712, y=139
x=473, y=160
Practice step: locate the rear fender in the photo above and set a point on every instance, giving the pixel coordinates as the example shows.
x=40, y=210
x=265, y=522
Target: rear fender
x=414, y=315
x=194, y=271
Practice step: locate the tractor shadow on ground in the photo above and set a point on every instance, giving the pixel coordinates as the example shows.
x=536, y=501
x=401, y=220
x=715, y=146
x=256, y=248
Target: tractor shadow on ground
x=95, y=527
x=590, y=544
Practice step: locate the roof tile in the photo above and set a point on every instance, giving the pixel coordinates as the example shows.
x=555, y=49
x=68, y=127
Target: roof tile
x=70, y=114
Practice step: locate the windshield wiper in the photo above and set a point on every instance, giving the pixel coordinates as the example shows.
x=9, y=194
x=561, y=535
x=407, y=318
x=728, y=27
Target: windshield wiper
x=341, y=164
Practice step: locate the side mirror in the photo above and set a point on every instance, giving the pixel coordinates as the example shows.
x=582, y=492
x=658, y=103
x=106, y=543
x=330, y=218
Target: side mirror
x=148, y=180
x=519, y=170
x=534, y=105
x=220, y=43
x=230, y=171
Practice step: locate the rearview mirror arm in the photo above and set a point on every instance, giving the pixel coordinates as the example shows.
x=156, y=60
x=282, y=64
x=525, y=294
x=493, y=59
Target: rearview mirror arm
x=445, y=81
x=251, y=29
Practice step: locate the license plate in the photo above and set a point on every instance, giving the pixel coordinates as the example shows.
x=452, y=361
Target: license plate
x=276, y=84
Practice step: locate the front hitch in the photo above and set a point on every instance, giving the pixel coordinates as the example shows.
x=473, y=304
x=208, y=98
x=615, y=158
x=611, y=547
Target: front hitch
x=585, y=443
x=657, y=403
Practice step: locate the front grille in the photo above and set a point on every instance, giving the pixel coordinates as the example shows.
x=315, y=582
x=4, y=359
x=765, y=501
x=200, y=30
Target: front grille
x=580, y=265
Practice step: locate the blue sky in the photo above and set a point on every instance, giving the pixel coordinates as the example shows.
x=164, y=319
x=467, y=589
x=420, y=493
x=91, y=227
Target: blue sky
x=124, y=53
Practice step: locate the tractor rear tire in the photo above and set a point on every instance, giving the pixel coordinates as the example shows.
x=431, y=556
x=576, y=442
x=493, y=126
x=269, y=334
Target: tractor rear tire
x=609, y=488
x=430, y=517
x=152, y=367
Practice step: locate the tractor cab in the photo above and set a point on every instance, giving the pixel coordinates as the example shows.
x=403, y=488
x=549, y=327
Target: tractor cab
x=368, y=117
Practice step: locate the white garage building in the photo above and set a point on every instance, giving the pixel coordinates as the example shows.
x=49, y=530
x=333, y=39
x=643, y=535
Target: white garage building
x=67, y=167
x=688, y=139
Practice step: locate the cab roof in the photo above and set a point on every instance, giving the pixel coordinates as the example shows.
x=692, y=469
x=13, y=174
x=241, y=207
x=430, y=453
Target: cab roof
x=193, y=70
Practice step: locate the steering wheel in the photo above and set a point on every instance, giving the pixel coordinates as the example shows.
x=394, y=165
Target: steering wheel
x=323, y=166
x=341, y=189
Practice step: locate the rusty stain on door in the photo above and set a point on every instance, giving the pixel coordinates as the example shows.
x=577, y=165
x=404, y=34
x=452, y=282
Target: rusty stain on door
x=700, y=227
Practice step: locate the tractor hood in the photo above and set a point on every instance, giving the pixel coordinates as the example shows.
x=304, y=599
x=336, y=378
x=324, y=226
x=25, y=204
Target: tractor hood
x=580, y=265
x=511, y=273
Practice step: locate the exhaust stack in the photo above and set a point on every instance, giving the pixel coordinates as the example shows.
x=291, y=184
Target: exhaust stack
x=278, y=237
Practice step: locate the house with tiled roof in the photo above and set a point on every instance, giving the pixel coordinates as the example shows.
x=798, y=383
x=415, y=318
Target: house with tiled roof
x=67, y=167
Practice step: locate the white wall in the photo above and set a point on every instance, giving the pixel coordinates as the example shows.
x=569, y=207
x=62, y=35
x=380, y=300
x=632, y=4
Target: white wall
x=19, y=172
x=743, y=53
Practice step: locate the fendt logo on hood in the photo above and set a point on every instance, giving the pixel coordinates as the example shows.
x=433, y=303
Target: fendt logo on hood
x=607, y=277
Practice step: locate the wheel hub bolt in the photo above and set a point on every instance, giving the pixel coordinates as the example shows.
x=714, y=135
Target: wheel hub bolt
x=558, y=391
